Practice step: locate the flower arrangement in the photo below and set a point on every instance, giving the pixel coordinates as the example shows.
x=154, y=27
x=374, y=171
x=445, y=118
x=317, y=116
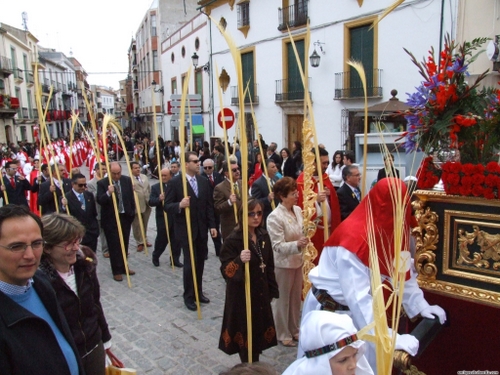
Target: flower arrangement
x=447, y=113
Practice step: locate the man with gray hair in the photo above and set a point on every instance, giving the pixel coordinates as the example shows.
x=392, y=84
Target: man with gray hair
x=349, y=194
x=214, y=178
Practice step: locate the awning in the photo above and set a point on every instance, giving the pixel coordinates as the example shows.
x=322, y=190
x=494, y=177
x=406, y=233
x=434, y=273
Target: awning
x=198, y=129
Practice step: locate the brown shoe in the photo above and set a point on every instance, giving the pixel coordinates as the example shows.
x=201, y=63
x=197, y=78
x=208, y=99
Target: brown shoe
x=149, y=244
x=105, y=255
x=118, y=277
x=140, y=247
x=130, y=272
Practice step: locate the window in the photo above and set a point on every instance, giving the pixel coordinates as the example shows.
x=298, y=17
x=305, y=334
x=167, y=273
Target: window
x=244, y=14
x=198, y=83
x=30, y=107
x=155, y=60
x=25, y=60
x=174, y=86
x=247, y=65
x=153, y=25
x=295, y=88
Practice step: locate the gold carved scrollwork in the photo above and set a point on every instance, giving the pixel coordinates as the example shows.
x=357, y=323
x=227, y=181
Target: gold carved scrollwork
x=489, y=245
x=426, y=237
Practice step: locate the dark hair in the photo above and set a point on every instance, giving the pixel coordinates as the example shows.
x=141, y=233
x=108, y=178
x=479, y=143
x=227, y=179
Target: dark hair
x=269, y=161
x=334, y=163
x=298, y=145
x=347, y=171
x=189, y=153
x=286, y=150
x=9, y=163
x=44, y=167
x=225, y=166
x=349, y=155
x=252, y=203
x=11, y=211
x=132, y=163
x=284, y=186
x=98, y=165
x=76, y=177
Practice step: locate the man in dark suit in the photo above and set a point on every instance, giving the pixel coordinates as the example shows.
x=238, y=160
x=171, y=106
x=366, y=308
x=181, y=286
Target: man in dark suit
x=156, y=199
x=14, y=186
x=260, y=189
x=271, y=154
x=81, y=205
x=47, y=189
x=214, y=178
x=200, y=201
x=349, y=194
x=124, y=193
x=224, y=200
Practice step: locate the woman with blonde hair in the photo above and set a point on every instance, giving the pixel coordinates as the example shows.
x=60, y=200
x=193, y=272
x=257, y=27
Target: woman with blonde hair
x=71, y=269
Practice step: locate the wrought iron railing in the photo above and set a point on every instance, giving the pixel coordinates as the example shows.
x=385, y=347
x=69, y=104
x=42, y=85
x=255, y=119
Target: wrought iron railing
x=290, y=89
x=293, y=15
x=348, y=85
x=5, y=64
x=252, y=95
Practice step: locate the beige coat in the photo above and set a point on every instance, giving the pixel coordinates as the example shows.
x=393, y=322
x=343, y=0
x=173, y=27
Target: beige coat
x=143, y=191
x=285, y=229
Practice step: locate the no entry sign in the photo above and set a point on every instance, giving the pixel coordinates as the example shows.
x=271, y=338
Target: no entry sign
x=228, y=118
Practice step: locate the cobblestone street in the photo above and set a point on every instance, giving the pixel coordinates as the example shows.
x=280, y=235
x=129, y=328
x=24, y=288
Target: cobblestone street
x=154, y=332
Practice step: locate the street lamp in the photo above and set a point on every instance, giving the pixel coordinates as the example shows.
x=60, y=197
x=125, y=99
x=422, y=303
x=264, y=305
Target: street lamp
x=196, y=59
x=315, y=58
x=160, y=89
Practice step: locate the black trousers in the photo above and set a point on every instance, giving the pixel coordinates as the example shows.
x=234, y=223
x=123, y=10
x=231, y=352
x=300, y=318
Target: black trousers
x=113, y=239
x=161, y=240
x=200, y=250
x=217, y=240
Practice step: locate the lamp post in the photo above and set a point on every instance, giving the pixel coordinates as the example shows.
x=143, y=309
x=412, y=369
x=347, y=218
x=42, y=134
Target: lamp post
x=315, y=58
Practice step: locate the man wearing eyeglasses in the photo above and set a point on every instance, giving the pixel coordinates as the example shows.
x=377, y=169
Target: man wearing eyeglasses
x=81, y=205
x=349, y=193
x=14, y=186
x=224, y=200
x=201, y=204
x=214, y=178
x=34, y=335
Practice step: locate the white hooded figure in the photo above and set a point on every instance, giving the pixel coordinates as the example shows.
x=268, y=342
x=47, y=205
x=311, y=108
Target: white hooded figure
x=330, y=345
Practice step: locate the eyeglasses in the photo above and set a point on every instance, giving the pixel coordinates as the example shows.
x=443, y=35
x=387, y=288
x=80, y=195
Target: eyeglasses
x=255, y=213
x=209, y=167
x=19, y=247
x=194, y=161
x=69, y=246
x=356, y=175
x=82, y=185
x=235, y=170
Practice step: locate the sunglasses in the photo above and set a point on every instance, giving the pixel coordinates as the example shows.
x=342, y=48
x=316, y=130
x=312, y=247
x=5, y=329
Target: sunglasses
x=82, y=185
x=255, y=213
x=208, y=167
x=235, y=170
x=194, y=161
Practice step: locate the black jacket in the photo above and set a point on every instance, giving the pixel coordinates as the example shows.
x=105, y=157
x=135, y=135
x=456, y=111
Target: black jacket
x=16, y=195
x=107, y=209
x=87, y=216
x=46, y=197
x=347, y=201
x=84, y=312
x=28, y=345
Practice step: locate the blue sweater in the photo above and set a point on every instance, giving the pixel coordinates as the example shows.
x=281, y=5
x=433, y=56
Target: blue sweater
x=31, y=302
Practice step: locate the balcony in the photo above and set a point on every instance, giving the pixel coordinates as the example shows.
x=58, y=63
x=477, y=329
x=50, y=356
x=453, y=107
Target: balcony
x=18, y=75
x=24, y=112
x=46, y=89
x=6, y=66
x=290, y=89
x=34, y=113
x=252, y=95
x=350, y=87
x=8, y=106
x=30, y=79
x=293, y=15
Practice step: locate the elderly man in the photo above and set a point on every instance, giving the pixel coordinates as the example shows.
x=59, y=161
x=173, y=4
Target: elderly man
x=224, y=200
x=47, y=189
x=143, y=190
x=34, y=335
x=175, y=167
x=123, y=190
x=214, y=178
x=156, y=199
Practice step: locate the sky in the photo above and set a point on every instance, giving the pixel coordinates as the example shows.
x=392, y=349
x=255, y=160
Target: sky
x=98, y=32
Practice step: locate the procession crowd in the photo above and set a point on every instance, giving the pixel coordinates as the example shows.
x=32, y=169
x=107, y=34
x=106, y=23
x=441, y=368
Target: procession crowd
x=53, y=216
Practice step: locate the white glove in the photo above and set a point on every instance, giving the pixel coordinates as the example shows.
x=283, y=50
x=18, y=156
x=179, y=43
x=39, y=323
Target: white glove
x=430, y=311
x=408, y=343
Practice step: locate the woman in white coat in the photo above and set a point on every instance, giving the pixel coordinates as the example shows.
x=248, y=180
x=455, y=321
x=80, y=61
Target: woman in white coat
x=284, y=226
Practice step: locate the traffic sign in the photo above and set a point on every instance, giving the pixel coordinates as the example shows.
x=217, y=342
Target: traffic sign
x=228, y=118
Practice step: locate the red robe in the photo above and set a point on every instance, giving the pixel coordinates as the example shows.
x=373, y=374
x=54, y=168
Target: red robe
x=319, y=237
x=33, y=197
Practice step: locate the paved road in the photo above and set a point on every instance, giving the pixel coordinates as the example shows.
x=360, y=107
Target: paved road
x=153, y=331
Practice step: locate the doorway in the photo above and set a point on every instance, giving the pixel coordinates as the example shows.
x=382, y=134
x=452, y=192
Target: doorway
x=294, y=126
